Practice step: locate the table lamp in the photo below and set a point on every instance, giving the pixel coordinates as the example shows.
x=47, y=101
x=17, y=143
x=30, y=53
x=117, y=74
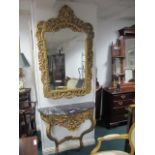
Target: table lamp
x=23, y=63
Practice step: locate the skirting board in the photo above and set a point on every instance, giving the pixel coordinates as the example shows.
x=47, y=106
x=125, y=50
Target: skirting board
x=51, y=150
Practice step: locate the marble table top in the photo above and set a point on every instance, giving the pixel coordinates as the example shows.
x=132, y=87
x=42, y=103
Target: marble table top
x=67, y=109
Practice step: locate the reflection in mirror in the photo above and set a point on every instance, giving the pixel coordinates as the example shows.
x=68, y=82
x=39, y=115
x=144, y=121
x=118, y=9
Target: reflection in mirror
x=129, y=60
x=66, y=59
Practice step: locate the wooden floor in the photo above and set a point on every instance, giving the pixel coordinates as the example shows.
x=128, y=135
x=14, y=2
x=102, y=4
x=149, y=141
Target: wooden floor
x=28, y=146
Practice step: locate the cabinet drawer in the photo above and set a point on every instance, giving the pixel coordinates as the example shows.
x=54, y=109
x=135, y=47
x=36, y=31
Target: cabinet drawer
x=121, y=117
x=118, y=111
x=122, y=103
x=23, y=95
x=23, y=98
x=124, y=96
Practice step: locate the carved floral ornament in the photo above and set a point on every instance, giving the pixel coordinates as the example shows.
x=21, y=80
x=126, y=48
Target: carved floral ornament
x=71, y=122
x=65, y=19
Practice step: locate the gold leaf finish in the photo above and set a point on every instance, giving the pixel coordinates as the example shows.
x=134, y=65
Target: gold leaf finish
x=71, y=122
x=65, y=19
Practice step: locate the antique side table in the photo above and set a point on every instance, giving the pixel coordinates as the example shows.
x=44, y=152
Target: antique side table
x=70, y=117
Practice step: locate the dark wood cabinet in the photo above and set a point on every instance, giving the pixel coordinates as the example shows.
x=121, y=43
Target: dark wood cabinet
x=114, y=106
x=25, y=98
x=121, y=93
x=98, y=103
x=27, y=125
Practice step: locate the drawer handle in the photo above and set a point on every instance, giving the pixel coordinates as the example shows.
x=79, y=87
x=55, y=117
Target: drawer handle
x=120, y=103
x=123, y=96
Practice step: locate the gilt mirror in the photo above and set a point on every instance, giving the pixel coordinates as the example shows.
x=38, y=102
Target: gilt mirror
x=65, y=55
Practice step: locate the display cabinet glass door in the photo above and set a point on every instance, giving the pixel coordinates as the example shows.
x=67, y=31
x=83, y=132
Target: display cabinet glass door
x=56, y=65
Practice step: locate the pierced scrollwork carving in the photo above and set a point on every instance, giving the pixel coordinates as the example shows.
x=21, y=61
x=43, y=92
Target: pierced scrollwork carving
x=65, y=19
x=71, y=122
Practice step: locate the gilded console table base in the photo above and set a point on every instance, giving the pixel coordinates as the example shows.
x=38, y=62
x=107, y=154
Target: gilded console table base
x=71, y=122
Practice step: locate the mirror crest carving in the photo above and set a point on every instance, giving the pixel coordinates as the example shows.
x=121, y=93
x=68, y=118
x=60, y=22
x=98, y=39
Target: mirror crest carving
x=65, y=19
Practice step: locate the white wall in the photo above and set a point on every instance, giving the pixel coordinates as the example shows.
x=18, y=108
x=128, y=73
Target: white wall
x=26, y=48
x=43, y=10
x=106, y=34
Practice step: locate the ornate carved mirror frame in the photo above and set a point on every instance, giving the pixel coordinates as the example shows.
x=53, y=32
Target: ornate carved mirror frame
x=65, y=19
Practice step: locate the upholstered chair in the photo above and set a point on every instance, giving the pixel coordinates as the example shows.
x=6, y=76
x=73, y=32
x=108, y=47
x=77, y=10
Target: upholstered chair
x=130, y=136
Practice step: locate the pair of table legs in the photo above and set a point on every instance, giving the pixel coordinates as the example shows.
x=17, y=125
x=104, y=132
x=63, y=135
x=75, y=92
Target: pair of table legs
x=80, y=138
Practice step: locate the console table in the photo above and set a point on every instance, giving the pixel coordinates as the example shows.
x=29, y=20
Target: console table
x=70, y=117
